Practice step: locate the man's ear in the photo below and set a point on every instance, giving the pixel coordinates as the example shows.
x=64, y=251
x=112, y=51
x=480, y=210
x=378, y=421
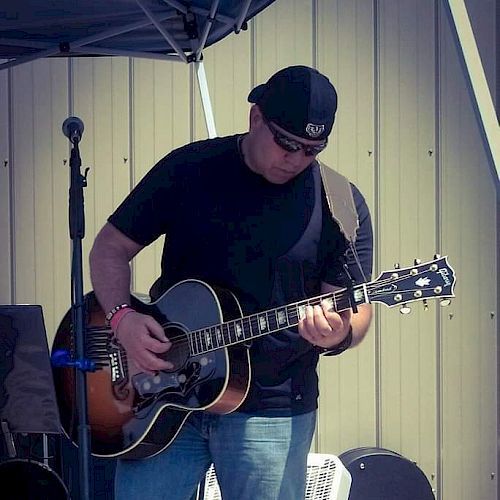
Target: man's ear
x=255, y=118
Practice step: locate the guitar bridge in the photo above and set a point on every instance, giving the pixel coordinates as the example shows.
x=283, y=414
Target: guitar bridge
x=118, y=370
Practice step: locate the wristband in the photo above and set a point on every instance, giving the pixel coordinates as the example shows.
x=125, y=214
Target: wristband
x=118, y=316
x=339, y=348
x=113, y=311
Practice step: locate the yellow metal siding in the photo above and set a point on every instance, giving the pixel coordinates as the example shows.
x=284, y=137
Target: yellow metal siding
x=344, y=51
x=161, y=105
x=39, y=187
x=406, y=226
x=469, y=328
x=99, y=96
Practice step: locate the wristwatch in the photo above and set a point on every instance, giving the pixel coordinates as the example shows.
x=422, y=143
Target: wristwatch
x=339, y=348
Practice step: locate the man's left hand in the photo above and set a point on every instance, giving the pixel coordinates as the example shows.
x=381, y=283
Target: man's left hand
x=323, y=327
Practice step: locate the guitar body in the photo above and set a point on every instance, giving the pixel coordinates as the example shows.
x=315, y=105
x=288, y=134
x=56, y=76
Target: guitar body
x=133, y=414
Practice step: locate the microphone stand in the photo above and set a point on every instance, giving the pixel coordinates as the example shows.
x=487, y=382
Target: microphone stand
x=77, y=233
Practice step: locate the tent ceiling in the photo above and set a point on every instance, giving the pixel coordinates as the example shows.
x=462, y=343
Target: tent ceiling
x=161, y=29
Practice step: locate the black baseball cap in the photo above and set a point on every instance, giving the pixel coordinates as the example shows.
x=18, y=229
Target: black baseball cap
x=300, y=100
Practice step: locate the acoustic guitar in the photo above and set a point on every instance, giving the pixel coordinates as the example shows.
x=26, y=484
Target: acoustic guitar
x=133, y=414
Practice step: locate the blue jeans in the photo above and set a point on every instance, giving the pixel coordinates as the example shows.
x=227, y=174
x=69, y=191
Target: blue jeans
x=255, y=458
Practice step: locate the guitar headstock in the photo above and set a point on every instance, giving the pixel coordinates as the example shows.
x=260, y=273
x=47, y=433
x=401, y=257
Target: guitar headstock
x=429, y=280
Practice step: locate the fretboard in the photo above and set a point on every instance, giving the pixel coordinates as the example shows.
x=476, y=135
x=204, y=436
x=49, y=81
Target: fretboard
x=273, y=320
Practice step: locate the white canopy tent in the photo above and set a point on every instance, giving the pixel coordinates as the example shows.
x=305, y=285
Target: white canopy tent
x=160, y=29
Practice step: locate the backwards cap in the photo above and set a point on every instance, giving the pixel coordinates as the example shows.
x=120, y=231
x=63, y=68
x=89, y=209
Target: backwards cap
x=300, y=100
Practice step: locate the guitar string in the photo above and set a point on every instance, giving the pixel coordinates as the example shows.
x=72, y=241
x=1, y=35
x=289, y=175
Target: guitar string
x=312, y=301
x=198, y=337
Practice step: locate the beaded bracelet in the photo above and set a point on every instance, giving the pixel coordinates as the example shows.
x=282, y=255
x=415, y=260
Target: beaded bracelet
x=113, y=311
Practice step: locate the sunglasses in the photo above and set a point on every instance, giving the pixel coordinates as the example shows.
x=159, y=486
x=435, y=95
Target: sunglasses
x=291, y=145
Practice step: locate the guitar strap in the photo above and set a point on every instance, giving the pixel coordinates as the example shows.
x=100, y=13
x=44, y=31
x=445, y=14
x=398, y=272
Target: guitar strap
x=340, y=201
x=343, y=209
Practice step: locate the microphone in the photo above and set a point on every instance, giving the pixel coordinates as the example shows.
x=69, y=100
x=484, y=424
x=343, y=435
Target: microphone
x=72, y=128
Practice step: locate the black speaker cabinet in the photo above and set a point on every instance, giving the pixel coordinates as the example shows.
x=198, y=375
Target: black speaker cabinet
x=380, y=474
x=27, y=394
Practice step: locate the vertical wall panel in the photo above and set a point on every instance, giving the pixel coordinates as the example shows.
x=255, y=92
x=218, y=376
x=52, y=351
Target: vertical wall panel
x=161, y=116
x=23, y=173
x=111, y=131
x=100, y=97
x=5, y=198
x=51, y=191
x=345, y=54
x=39, y=101
x=407, y=225
x=61, y=252
x=469, y=329
x=283, y=37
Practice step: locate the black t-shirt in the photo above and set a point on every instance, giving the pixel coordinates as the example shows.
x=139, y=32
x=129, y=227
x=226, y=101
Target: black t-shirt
x=229, y=227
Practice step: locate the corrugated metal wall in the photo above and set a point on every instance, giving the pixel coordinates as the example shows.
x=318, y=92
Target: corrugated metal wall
x=424, y=385
x=468, y=331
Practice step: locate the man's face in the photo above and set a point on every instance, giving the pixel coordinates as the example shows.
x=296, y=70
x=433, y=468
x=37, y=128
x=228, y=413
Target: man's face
x=267, y=155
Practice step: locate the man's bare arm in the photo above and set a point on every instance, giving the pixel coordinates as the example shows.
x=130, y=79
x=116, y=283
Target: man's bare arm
x=140, y=334
x=109, y=266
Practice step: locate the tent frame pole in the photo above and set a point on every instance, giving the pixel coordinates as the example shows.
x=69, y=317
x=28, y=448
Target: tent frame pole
x=476, y=78
x=205, y=99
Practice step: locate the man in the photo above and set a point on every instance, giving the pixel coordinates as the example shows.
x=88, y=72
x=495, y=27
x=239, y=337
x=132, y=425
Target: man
x=246, y=213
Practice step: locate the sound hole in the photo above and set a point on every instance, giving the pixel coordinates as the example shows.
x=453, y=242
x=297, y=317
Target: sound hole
x=178, y=354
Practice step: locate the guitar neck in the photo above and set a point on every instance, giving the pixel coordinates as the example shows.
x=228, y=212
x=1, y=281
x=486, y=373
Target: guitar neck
x=273, y=320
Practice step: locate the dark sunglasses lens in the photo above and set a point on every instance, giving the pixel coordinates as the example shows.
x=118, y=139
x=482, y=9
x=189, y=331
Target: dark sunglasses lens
x=314, y=150
x=293, y=146
x=286, y=144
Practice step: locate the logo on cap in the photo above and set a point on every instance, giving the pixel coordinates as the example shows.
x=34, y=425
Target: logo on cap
x=313, y=130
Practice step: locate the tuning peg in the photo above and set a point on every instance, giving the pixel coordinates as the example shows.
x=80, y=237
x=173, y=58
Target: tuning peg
x=417, y=262
x=444, y=302
x=426, y=305
x=396, y=275
x=404, y=309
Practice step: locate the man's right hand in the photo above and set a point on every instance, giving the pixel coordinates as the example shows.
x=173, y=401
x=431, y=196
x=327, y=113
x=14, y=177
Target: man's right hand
x=144, y=340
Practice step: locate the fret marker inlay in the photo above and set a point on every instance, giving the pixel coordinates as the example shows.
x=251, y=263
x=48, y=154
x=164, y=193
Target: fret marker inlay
x=239, y=330
x=208, y=338
x=262, y=323
x=302, y=312
x=281, y=318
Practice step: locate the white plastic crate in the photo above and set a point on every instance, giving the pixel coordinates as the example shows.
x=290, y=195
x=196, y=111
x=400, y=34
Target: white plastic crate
x=327, y=479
